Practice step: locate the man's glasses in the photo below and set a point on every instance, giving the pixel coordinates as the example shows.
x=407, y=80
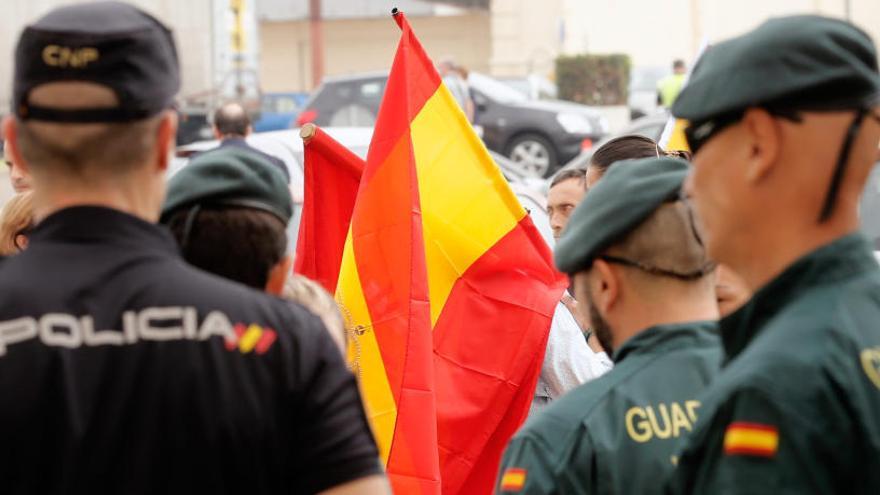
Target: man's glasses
x=698, y=134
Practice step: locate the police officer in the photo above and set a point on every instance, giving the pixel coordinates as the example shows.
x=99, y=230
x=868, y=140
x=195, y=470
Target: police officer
x=642, y=275
x=784, y=127
x=228, y=210
x=122, y=368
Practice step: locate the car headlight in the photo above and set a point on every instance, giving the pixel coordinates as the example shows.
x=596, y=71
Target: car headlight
x=574, y=123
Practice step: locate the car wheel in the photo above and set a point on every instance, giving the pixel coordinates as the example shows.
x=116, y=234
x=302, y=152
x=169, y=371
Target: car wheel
x=534, y=153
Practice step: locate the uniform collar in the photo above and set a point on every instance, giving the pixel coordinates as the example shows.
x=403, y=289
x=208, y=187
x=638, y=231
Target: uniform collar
x=233, y=141
x=660, y=337
x=101, y=224
x=841, y=259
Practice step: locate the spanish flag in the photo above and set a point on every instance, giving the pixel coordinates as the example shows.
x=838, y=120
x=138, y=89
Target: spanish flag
x=751, y=439
x=513, y=480
x=332, y=176
x=448, y=286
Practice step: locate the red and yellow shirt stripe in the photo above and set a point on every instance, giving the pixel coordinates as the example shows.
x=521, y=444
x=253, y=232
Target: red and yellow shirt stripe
x=751, y=439
x=513, y=480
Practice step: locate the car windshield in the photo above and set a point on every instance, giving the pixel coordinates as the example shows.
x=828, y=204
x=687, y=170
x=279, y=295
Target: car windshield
x=495, y=90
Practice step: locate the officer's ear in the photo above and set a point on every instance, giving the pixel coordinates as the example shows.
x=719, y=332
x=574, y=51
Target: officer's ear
x=166, y=139
x=278, y=275
x=764, y=139
x=604, y=285
x=10, y=143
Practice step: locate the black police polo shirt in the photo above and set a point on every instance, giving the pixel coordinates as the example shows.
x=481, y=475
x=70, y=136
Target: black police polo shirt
x=125, y=370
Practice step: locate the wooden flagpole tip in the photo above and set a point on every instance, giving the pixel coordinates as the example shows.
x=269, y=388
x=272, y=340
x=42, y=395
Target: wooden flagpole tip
x=308, y=131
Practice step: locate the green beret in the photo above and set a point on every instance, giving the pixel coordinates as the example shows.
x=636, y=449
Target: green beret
x=800, y=62
x=229, y=176
x=625, y=197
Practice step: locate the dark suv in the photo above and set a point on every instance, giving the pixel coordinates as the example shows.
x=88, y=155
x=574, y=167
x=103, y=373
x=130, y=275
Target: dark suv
x=539, y=135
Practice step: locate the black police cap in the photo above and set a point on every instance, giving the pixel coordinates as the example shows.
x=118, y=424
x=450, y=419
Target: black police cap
x=108, y=43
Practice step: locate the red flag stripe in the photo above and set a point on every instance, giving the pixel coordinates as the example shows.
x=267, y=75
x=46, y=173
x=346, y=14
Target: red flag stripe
x=483, y=396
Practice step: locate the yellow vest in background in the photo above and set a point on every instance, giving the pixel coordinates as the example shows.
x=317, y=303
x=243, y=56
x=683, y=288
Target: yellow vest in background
x=669, y=87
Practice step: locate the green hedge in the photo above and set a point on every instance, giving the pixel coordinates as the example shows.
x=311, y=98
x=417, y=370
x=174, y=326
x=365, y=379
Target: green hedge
x=594, y=79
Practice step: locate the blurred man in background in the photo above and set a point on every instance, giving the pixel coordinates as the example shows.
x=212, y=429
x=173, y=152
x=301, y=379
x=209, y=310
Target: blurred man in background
x=232, y=125
x=670, y=86
x=229, y=211
x=455, y=79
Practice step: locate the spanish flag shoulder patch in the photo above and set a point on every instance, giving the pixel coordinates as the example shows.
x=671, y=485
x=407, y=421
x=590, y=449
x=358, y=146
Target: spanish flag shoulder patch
x=513, y=479
x=751, y=439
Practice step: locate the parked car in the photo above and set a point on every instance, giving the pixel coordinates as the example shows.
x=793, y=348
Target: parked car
x=540, y=135
x=278, y=111
x=533, y=86
x=346, y=101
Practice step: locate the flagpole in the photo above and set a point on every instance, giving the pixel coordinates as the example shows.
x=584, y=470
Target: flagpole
x=307, y=132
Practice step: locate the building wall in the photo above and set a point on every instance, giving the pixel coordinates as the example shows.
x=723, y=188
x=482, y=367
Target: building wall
x=655, y=33
x=364, y=45
x=526, y=36
x=189, y=19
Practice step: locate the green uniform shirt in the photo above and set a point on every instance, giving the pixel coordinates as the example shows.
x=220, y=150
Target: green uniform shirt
x=797, y=407
x=616, y=434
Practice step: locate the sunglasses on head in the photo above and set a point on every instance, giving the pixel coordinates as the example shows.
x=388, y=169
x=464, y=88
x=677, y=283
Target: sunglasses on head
x=699, y=133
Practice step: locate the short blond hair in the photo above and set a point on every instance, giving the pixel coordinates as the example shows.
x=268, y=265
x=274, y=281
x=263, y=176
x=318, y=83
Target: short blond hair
x=16, y=218
x=668, y=242
x=317, y=300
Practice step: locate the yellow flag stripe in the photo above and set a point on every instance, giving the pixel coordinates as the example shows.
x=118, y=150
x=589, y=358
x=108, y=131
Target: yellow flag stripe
x=250, y=338
x=467, y=205
x=364, y=353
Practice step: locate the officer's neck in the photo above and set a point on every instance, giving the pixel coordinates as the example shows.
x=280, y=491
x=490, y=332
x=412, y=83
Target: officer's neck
x=137, y=196
x=636, y=314
x=784, y=245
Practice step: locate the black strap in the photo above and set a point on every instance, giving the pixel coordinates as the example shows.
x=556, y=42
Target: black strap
x=83, y=116
x=840, y=168
x=694, y=275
